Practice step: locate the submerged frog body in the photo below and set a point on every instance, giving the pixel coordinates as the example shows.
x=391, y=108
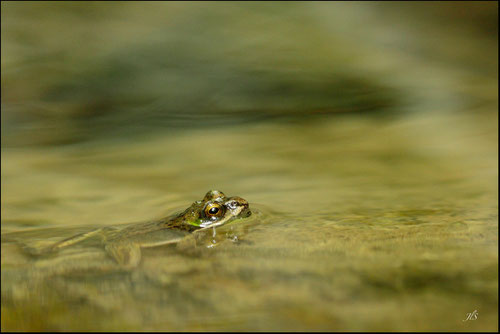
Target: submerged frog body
x=124, y=244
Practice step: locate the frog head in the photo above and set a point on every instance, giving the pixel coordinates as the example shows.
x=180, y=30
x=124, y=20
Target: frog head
x=215, y=209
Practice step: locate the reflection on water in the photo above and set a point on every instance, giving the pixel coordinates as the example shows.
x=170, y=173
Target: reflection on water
x=367, y=146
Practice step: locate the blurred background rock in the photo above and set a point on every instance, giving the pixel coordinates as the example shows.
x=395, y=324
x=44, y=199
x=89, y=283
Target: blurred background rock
x=74, y=72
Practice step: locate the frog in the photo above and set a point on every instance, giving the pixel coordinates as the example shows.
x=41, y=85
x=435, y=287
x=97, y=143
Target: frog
x=123, y=244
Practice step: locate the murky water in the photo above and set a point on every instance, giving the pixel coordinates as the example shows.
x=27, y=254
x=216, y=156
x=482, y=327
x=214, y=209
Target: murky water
x=366, y=144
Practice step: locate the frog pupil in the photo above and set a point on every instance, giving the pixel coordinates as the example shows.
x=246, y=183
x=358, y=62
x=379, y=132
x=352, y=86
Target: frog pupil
x=213, y=210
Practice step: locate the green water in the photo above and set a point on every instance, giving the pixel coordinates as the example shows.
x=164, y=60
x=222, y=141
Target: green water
x=366, y=144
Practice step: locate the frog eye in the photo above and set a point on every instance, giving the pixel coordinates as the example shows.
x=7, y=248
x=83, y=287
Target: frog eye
x=213, y=194
x=213, y=210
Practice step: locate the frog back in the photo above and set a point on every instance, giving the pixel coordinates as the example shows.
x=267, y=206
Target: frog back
x=148, y=234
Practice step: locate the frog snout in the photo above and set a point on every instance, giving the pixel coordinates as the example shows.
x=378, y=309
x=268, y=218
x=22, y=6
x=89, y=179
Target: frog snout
x=241, y=202
x=245, y=211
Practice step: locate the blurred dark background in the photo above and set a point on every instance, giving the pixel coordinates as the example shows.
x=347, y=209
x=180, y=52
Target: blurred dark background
x=75, y=72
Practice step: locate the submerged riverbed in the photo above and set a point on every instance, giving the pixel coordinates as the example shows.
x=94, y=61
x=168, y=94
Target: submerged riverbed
x=372, y=167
